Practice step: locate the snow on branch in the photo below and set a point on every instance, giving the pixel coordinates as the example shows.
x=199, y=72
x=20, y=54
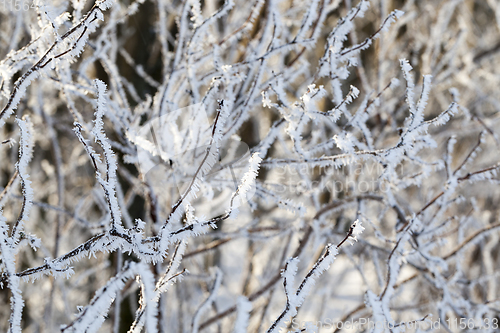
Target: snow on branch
x=25, y=155
x=108, y=184
x=69, y=46
x=92, y=316
x=9, y=268
x=295, y=298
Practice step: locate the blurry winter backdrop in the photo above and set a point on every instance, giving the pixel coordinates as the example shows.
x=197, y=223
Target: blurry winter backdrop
x=249, y=166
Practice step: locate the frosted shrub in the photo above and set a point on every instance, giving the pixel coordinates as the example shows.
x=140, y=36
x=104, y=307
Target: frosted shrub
x=249, y=166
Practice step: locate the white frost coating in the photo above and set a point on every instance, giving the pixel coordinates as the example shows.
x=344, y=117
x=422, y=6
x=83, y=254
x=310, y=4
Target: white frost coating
x=8, y=260
x=266, y=101
x=309, y=17
x=410, y=86
x=255, y=58
x=206, y=164
x=372, y=301
x=449, y=149
x=348, y=54
x=295, y=300
x=344, y=142
x=105, y=4
x=68, y=48
x=163, y=283
x=311, y=97
x=147, y=313
x=396, y=260
x=17, y=94
x=108, y=184
x=353, y=94
x=395, y=15
x=25, y=154
x=93, y=315
x=445, y=116
x=356, y=231
x=208, y=302
x=244, y=306
x=248, y=179
x=424, y=97
x=330, y=61
x=288, y=275
x=337, y=59
x=415, y=137
x=246, y=184
x=319, y=268
x=395, y=82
